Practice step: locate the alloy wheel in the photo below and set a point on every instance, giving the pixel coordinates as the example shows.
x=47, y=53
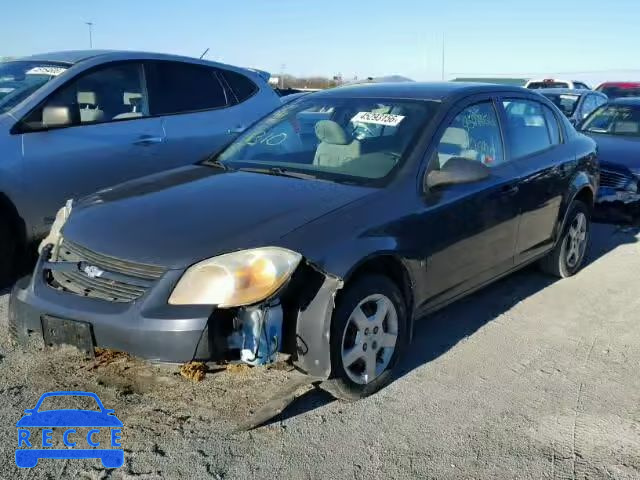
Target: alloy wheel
x=369, y=339
x=576, y=242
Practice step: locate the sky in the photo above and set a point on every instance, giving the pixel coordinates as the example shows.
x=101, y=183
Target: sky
x=361, y=38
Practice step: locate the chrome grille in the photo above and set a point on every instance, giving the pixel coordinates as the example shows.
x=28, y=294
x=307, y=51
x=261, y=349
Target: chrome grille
x=611, y=179
x=123, y=281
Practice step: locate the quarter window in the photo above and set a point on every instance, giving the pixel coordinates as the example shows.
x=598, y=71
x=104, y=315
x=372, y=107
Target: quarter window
x=589, y=105
x=554, y=127
x=242, y=87
x=473, y=134
x=184, y=87
x=527, y=127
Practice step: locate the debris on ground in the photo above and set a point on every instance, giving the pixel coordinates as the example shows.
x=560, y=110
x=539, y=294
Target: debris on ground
x=195, y=371
x=297, y=386
x=105, y=356
x=238, y=368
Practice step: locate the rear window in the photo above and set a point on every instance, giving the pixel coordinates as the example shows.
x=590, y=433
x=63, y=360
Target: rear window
x=182, y=87
x=551, y=84
x=242, y=87
x=567, y=103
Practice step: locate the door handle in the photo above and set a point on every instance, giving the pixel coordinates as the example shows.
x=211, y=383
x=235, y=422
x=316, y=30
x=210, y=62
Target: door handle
x=148, y=140
x=510, y=190
x=236, y=129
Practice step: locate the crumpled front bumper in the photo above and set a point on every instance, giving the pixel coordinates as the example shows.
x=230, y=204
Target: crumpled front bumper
x=152, y=329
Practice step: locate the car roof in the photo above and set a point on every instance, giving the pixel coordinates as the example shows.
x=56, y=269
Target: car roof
x=417, y=90
x=72, y=57
x=633, y=101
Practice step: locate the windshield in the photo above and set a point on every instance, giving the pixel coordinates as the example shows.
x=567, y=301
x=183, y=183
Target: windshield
x=355, y=140
x=551, y=84
x=567, y=103
x=619, y=91
x=614, y=120
x=20, y=79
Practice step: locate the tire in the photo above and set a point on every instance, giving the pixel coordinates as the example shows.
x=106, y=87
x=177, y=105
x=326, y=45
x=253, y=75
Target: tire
x=567, y=257
x=8, y=249
x=364, y=302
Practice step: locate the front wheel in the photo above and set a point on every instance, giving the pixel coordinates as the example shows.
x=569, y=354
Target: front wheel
x=568, y=255
x=368, y=334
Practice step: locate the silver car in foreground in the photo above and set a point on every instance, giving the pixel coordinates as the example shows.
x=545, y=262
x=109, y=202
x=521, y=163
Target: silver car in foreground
x=75, y=122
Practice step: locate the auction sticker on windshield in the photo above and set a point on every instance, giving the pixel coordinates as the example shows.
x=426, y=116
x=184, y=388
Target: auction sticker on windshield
x=50, y=70
x=386, y=119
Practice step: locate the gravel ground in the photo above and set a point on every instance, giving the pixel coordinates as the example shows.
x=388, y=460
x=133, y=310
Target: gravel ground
x=529, y=378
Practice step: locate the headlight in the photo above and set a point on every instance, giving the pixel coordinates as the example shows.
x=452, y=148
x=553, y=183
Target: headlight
x=236, y=279
x=53, y=238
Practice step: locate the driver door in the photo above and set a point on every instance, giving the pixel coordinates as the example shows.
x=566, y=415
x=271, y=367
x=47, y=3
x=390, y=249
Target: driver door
x=470, y=229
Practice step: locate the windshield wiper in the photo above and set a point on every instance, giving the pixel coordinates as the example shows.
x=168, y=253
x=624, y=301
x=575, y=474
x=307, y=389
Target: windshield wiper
x=280, y=172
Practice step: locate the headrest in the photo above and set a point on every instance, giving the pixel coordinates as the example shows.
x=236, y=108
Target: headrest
x=131, y=98
x=456, y=136
x=329, y=131
x=89, y=98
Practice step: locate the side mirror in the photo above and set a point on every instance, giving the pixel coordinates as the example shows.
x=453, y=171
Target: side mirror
x=56, y=116
x=457, y=170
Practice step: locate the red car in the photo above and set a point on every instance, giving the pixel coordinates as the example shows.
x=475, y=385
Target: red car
x=620, y=89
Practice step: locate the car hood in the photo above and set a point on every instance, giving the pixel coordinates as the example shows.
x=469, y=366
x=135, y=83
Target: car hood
x=177, y=218
x=618, y=150
x=69, y=418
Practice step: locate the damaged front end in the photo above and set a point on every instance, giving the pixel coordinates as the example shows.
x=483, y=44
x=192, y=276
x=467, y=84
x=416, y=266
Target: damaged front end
x=167, y=315
x=619, y=194
x=295, y=322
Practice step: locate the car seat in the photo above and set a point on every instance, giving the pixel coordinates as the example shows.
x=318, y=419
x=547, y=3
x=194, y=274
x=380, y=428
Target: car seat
x=335, y=148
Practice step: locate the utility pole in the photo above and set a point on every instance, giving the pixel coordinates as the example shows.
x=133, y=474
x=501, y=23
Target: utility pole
x=282, y=68
x=90, y=25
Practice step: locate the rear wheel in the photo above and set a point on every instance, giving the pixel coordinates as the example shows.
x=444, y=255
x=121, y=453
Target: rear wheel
x=568, y=255
x=8, y=249
x=368, y=334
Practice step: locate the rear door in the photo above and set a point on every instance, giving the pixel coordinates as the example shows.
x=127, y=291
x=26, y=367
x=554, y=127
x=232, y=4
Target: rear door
x=110, y=138
x=544, y=162
x=471, y=228
x=200, y=112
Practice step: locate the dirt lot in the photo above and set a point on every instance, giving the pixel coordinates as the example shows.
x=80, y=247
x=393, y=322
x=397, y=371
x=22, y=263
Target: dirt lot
x=526, y=379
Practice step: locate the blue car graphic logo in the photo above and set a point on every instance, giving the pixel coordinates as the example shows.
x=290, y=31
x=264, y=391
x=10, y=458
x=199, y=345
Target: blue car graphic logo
x=32, y=447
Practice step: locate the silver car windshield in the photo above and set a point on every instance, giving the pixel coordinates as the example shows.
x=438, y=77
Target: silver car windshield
x=20, y=79
x=359, y=140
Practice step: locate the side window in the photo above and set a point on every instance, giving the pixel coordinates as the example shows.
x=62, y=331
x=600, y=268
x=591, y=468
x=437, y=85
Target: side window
x=580, y=85
x=106, y=94
x=473, y=134
x=526, y=126
x=554, y=127
x=176, y=87
x=242, y=87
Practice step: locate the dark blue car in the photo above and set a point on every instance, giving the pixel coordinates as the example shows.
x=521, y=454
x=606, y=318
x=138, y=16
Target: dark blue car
x=616, y=129
x=28, y=453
